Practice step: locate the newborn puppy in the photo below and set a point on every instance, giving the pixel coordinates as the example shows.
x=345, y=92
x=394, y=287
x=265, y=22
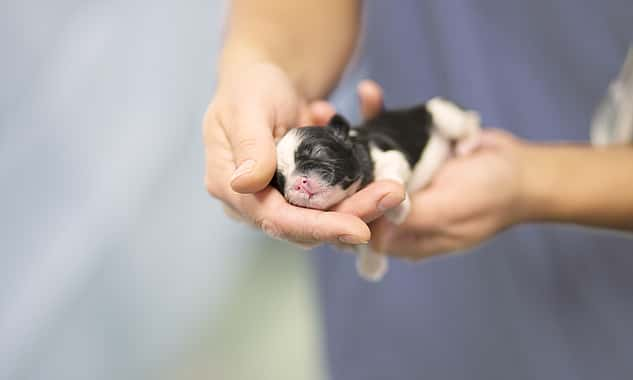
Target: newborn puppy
x=318, y=167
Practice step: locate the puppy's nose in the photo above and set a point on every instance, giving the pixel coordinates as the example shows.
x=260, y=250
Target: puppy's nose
x=305, y=185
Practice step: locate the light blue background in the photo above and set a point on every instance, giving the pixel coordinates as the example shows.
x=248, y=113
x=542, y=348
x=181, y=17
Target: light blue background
x=114, y=261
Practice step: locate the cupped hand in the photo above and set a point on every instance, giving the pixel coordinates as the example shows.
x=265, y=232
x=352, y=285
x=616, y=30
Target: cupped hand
x=471, y=198
x=247, y=114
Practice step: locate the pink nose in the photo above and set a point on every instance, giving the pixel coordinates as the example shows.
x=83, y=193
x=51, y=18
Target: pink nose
x=305, y=185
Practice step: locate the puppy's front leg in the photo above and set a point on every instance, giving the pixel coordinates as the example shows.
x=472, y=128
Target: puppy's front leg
x=450, y=124
x=393, y=165
x=390, y=165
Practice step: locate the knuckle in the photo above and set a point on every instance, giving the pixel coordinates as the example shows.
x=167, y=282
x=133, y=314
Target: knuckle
x=247, y=143
x=270, y=228
x=314, y=232
x=209, y=120
x=316, y=235
x=231, y=212
x=212, y=187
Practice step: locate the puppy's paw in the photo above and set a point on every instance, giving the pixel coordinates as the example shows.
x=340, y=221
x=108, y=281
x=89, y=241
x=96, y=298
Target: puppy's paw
x=370, y=265
x=452, y=121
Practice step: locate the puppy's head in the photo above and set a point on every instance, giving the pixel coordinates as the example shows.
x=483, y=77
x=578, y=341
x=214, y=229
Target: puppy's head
x=317, y=166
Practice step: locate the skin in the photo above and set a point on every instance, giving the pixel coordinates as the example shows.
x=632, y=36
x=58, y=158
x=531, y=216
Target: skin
x=281, y=56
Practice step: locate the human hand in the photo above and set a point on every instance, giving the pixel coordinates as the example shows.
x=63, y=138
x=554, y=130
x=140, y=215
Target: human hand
x=248, y=112
x=471, y=198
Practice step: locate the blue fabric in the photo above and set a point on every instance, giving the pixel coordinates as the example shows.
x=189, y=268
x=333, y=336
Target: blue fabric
x=536, y=302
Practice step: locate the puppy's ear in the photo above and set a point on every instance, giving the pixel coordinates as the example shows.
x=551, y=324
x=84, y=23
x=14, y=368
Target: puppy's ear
x=340, y=126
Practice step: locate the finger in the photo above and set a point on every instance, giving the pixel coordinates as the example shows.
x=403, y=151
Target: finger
x=468, y=145
x=381, y=233
x=251, y=139
x=371, y=98
x=426, y=214
x=321, y=112
x=374, y=200
x=392, y=241
x=305, y=245
x=495, y=138
x=269, y=211
x=231, y=212
x=417, y=247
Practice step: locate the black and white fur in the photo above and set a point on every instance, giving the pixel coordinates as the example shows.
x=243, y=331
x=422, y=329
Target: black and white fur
x=318, y=167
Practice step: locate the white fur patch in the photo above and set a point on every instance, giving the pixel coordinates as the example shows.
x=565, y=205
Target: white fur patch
x=437, y=150
x=286, y=148
x=390, y=164
x=452, y=121
x=393, y=165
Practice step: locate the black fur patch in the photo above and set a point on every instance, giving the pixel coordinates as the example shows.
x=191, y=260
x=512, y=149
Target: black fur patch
x=327, y=152
x=278, y=181
x=339, y=126
x=407, y=130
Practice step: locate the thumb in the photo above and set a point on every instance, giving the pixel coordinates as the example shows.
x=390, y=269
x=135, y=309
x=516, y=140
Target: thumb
x=253, y=147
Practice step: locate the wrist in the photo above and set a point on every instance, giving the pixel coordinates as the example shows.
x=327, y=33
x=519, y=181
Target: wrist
x=579, y=184
x=564, y=183
x=237, y=58
x=240, y=57
x=538, y=178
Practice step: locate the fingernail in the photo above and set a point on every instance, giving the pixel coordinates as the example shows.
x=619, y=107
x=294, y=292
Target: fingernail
x=244, y=168
x=390, y=201
x=351, y=239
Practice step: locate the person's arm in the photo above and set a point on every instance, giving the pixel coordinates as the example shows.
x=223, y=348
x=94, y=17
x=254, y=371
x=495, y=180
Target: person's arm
x=507, y=182
x=311, y=40
x=279, y=56
x=578, y=184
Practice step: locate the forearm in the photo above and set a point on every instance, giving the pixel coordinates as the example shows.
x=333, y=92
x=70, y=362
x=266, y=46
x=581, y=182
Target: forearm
x=578, y=184
x=311, y=40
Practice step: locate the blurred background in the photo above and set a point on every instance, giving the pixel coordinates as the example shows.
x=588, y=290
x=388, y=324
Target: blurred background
x=114, y=262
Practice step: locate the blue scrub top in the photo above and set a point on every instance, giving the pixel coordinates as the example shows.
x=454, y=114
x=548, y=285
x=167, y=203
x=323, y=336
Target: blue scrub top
x=537, y=301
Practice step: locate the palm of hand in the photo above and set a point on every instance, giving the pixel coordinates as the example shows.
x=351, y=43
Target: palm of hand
x=241, y=125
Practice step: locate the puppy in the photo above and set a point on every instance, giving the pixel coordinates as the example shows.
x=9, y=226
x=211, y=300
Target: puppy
x=318, y=167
